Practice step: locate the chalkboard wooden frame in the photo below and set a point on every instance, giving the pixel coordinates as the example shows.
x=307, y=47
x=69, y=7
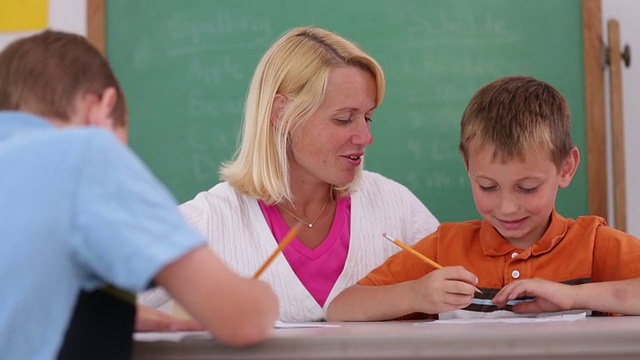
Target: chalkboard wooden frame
x=594, y=94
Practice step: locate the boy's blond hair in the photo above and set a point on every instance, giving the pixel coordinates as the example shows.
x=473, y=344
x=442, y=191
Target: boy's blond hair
x=47, y=72
x=296, y=66
x=517, y=114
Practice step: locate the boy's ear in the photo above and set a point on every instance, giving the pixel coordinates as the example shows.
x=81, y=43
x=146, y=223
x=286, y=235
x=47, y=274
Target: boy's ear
x=100, y=110
x=569, y=167
x=279, y=102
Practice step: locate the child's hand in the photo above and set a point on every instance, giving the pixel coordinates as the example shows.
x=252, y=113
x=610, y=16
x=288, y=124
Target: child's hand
x=549, y=296
x=446, y=289
x=150, y=319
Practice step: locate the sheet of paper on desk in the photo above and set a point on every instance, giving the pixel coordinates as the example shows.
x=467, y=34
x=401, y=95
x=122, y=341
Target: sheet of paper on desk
x=283, y=325
x=175, y=336
x=178, y=336
x=506, y=317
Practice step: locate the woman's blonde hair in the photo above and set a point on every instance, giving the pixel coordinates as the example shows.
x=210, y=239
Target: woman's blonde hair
x=296, y=66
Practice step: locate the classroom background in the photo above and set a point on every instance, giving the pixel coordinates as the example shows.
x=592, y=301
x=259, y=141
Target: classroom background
x=70, y=15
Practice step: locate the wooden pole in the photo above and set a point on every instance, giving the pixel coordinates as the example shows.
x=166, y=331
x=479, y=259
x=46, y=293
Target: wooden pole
x=593, y=55
x=617, y=133
x=96, y=26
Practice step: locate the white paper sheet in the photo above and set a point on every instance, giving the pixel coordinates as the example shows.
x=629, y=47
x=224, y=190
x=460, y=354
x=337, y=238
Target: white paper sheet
x=175, y=336
x=178, y=336
x=504, y=317
x=283, y=325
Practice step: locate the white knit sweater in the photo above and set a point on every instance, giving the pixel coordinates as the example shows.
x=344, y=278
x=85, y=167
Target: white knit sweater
x=238, y=232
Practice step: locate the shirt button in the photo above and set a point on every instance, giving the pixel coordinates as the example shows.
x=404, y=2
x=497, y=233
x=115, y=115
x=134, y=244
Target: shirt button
x=514, y=254
x=515, y=274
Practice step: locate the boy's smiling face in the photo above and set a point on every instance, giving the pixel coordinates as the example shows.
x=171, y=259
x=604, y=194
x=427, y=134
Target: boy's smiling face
x=517, y=197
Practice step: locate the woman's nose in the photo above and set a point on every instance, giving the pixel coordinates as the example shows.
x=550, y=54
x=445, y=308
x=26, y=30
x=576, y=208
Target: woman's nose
x=363, y=134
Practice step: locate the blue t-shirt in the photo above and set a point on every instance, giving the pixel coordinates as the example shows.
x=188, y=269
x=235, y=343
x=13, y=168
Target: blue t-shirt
x=77, y=210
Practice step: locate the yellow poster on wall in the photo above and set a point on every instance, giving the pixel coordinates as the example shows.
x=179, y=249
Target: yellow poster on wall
x=23, y=15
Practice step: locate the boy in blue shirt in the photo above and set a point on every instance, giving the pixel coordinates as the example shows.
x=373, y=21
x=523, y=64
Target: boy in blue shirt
x=78, y=210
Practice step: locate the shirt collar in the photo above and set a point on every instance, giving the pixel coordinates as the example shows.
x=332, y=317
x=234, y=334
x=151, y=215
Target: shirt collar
x=13, y=122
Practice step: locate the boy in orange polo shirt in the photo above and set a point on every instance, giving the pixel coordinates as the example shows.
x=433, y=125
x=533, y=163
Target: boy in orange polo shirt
x=517, y=148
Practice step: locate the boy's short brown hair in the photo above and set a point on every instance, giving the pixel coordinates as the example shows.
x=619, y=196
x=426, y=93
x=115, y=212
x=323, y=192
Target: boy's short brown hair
x=516, y=114
x=45, y=73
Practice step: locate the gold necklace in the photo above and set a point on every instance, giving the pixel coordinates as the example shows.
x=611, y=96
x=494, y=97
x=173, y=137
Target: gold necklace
x=309, y=224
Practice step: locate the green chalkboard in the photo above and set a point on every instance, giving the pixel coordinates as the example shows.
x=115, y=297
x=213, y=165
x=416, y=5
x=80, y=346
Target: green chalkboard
x=185, y=67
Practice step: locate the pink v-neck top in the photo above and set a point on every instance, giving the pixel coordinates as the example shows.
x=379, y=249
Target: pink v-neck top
x=319, y=268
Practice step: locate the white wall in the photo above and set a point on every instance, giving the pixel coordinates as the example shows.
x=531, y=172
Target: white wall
x=64, y=15
x=627, y=12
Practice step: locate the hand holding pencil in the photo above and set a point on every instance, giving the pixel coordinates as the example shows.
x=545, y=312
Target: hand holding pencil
x=416, y=253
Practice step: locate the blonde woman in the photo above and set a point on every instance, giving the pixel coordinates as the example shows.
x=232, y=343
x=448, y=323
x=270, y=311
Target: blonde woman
x=307, y=122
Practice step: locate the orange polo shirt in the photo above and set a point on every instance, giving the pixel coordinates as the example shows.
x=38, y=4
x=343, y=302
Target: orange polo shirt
x=570, y=251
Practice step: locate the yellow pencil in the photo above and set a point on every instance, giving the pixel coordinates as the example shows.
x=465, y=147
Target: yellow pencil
x=416, y=253
x=283, y=244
